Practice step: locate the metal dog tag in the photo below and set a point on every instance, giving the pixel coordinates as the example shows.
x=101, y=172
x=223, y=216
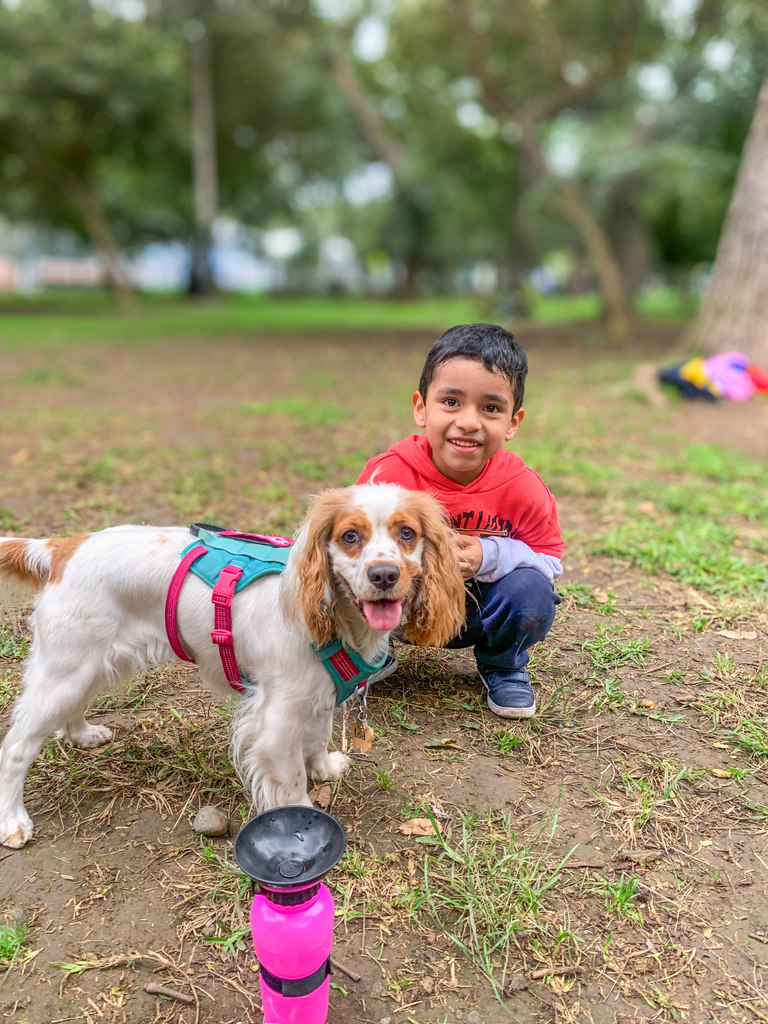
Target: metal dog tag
x=362, y=736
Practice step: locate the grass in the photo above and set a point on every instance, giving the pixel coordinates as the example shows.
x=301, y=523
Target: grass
x=56, y=321
x=483, y=886
x=60, y=318
x=609, y=648
x=14, y=934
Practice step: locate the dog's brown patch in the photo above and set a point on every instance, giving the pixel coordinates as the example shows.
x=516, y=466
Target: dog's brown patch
x=13, y=561
x=62, y=549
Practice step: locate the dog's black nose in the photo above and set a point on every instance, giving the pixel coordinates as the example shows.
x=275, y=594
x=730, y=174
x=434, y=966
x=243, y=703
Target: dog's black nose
x=383, y=575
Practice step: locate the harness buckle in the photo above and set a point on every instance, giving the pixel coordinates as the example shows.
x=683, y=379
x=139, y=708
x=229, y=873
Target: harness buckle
x=224, y=590
x=222, y=636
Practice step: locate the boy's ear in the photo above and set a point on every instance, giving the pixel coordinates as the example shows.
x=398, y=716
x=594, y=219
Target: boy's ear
x=517, y=419
x=418, y=410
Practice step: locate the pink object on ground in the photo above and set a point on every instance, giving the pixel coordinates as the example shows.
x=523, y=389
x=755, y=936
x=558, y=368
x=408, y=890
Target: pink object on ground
x=728, y=373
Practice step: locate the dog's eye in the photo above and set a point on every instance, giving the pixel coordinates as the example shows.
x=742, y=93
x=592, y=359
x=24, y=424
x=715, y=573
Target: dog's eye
x=407, y=534
x=350, y=537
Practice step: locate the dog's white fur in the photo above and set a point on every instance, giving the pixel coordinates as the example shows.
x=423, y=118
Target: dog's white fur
x=100, y=617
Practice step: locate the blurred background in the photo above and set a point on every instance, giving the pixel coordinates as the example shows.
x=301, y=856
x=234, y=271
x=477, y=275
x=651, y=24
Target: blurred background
x=576, y=157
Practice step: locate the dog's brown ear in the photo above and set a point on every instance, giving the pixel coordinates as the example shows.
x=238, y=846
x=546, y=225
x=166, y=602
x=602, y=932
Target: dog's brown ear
x=440, y=608
x=314, y=594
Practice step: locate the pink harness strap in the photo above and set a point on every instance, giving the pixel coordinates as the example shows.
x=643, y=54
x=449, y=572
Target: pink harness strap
x=221, y=596
x=222, y=599
x=172, y=599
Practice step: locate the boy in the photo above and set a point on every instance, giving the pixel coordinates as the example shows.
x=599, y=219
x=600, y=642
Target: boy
x=469, y=403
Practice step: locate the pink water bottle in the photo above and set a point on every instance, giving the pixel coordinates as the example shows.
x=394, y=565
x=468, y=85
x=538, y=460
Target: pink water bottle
x=287, y=851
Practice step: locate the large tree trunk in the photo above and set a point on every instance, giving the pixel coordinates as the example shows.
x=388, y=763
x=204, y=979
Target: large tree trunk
x=735, y=311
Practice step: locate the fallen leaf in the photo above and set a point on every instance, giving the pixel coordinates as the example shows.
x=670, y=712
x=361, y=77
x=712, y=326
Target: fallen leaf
x=417, y=827
x=647, y=508
x=321, y=797
x=446, y=744
x=20, y=456
x=733, y=634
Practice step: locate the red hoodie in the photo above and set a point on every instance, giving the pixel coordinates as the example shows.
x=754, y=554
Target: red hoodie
x=506, y=500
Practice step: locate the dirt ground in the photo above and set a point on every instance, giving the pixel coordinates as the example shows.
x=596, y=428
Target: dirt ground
x=639, y=826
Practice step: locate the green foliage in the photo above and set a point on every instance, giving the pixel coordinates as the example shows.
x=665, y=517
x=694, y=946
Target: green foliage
x=479, y=122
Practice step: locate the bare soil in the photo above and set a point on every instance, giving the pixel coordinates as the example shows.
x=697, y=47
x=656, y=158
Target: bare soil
x=119, y=893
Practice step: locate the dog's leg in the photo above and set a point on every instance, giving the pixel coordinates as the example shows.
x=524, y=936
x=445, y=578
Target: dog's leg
x=267, y=754
x=30, y=727
x=43, y=707
x=81, y=733
x=323, y=765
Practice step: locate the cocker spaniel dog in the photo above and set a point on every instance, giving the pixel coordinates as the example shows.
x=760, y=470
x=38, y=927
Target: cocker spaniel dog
x=365, y=560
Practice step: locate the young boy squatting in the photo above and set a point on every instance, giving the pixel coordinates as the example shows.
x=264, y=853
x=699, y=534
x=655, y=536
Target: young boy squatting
x=469, y=403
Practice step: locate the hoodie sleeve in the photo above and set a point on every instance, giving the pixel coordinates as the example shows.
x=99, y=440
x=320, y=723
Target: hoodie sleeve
x=501, y=555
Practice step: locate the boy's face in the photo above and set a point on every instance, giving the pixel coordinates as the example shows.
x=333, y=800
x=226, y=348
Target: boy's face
x=466, y=416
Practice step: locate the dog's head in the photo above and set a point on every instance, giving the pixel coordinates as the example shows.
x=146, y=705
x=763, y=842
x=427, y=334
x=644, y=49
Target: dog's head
x=384, y=555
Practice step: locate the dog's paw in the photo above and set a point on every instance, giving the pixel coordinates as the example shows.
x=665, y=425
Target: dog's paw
x=16, y=831
x=330, y=767
x=87, y=735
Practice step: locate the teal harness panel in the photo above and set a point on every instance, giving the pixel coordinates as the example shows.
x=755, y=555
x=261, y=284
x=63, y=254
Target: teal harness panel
x=255, y=558
x=348, y=671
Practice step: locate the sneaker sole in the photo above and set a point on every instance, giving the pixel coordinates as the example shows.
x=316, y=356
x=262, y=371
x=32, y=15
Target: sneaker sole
x=504, y=712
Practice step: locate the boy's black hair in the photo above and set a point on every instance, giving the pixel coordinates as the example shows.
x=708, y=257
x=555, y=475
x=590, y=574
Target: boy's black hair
x=498, y=350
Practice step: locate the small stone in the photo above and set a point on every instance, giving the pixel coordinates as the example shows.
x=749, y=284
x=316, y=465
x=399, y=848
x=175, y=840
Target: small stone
x=474, y=1018
x=210, y=821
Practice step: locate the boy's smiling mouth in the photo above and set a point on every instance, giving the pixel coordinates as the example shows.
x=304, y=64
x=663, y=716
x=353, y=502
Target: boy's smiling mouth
x=463, y=442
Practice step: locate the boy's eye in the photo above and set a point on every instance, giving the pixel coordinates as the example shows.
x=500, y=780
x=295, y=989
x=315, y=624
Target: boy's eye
x=492, y=408
x=450, y=402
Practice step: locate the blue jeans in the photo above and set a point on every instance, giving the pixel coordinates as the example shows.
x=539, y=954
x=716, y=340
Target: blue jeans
x=507, y=617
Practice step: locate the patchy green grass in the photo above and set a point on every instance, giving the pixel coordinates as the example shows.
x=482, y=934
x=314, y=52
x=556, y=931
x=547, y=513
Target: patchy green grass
x=514, y=869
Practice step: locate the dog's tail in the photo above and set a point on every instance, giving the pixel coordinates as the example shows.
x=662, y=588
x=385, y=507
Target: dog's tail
x=30, y=564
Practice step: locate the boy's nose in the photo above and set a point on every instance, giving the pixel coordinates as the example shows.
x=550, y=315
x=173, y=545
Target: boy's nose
x=468, y=419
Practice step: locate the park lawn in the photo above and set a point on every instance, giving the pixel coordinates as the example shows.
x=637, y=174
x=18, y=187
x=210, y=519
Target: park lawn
x=605, y=860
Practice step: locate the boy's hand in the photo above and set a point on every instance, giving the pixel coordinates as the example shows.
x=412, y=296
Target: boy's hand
x=470, y=552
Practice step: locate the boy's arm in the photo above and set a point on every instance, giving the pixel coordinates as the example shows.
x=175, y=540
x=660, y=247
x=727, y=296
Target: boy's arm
x=503, y=554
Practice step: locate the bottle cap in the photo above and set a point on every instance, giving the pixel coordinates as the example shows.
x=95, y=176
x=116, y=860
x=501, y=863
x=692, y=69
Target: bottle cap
x=289, y=846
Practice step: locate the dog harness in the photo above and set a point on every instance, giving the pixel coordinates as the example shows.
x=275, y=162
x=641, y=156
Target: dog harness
x=228, y=561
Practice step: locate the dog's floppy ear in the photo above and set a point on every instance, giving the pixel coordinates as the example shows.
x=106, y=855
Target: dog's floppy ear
x=440, y=607
x=312, y=592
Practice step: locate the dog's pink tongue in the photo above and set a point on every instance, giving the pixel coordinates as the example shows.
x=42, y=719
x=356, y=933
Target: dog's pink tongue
x=384, y=615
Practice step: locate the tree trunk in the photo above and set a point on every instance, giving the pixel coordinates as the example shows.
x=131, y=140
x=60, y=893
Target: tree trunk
x=735, y=312
x=570, y=202
x=99, y=231
x=204, y=168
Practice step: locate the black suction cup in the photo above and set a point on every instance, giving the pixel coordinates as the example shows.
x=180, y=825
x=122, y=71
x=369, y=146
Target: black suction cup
x=289, y=846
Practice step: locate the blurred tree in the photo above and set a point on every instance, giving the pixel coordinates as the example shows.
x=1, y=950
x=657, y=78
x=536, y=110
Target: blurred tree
x=89, y=111
x=734, y=314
